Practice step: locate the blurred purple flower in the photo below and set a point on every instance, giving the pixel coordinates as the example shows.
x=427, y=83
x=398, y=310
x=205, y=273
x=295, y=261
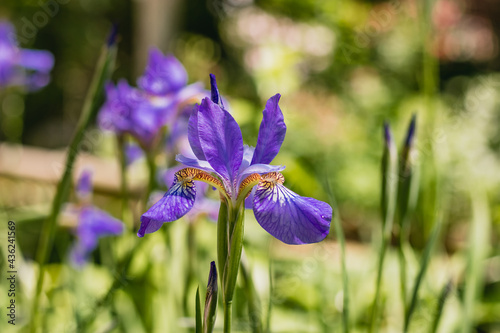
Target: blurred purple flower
x=133, y=153
x=93, y=223
x=128, y=110
x=22, y=67
x=162, y=96
x=164, y=74
x=237, y=170
x=83, y=187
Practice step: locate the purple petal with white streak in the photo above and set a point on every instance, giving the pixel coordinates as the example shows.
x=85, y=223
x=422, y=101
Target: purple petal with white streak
x=289, y=217
x=178, y=200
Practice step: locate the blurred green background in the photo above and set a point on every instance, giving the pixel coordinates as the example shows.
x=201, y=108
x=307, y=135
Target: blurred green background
x=342, y=67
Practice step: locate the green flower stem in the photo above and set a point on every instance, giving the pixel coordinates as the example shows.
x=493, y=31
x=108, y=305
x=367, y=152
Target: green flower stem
x=199, y=324
x=228, y=312
x=93, y=100
x=388, y=207
x=191, y=263
x=402, y=269
x=426, y=258
x=270, y=304
x=150, y=159
x=479, y=247
x=222, y=243
x=229, y=248
x=123, y=177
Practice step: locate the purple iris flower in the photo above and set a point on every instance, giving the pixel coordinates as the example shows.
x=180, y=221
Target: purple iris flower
x=128, y=110
x=143, y=112
x=237, y=170
x=21, y=67
x=93, y=223
x=164, y=74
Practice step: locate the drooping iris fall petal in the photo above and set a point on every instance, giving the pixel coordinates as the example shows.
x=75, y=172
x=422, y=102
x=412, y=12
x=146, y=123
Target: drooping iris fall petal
x=178, y=200
x=287, y=216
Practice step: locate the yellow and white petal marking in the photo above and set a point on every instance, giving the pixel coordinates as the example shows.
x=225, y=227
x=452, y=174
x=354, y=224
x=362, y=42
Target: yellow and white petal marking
x=267, y=180
x=186, y=176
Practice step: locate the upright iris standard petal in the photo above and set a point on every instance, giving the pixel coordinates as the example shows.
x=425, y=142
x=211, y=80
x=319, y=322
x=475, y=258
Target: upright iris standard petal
x=194, y=136
x=194, y=163
x=271, y=133
x=178, y=200
x=287, y=216
x=220, y=138
x=214, y=92
x=163, y=74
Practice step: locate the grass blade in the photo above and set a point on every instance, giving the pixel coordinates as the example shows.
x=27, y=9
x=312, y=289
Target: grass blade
x=478, y=250
x=442, y=300
x=337, y=224
x=426, y=258
x=199, y=324
x=91, y=105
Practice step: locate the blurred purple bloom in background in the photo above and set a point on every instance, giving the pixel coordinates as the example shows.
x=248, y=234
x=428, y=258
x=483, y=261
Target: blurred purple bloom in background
x=128, y=110
x=22, y=67
x=163, y=74
x=236, y=169
x=143, y=111
x=83, y=187
x=93, y=223
x=133, y=153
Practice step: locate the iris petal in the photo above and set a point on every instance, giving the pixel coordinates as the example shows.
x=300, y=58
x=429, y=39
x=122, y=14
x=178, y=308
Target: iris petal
x=178, y=200
x=37, y=60
x=93, y=223
x=220, y=138
x=289, y=217
x=83, y=187
x=194, y=163
x=163, y=74
x=99, y=223
x=260, y=169
x=214, y=92
x=194, y=136
x=271, y=132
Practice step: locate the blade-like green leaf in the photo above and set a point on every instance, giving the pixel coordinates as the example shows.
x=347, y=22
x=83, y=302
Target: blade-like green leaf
x=199, y=324
x=93, y=100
